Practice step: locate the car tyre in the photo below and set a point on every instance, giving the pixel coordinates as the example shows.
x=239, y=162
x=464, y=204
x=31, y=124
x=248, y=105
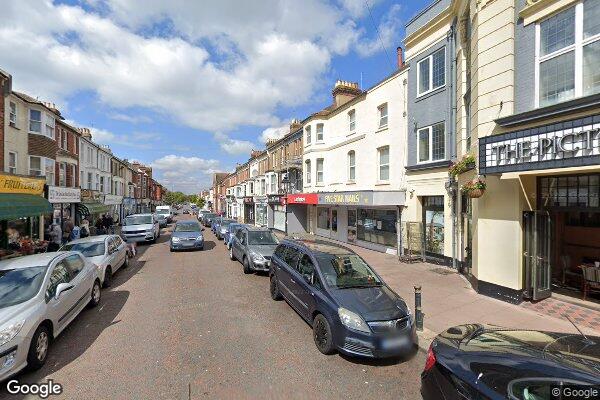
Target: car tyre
x=274, y=289
x=126, y=262
x=96, y=294
x=231, y=256
x=107, y=277
x=247, y=269
x=322, y=335
x=39, y=348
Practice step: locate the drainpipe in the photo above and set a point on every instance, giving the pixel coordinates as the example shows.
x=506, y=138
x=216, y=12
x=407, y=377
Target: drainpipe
x=452, y=184
x=399, y=243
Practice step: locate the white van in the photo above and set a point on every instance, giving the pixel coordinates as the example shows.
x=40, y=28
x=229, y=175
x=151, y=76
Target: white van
x=165, y=211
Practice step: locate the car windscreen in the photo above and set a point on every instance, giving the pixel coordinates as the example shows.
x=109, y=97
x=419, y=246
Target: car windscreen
x=88, y=249
x=347, y=271
x=208, y=216
x=19, y=285
x=187, y=228
x=137, y=220
x=225, y=224
x=261, y=237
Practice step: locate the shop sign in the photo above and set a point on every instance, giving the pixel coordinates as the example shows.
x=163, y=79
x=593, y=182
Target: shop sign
x=347, y=198
x=21, y=184
x=63, y=195
x=112, y=199
x=571, y=143
x=303, y=198
x=260, y=199
x=275, y=199
x=249, y=200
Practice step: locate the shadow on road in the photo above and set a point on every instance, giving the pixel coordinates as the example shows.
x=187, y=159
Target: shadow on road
x=75, y=339
x=209, y=245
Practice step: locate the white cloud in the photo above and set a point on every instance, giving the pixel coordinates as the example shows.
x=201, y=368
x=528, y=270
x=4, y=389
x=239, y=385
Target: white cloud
x=274, y=133
x=389, y=28
x=265, y=55
x=187, y=174
x=132, y=119
x=234, y=146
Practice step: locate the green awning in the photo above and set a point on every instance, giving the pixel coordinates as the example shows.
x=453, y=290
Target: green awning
x=13, y=206
x=86, y=209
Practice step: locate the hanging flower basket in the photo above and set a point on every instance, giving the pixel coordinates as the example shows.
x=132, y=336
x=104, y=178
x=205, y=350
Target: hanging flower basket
x=474, y=189
x=465, y=164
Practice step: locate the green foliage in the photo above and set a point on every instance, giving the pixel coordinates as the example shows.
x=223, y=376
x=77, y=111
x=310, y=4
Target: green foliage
x=467, y=163
x=475, y=184
x=171, y=198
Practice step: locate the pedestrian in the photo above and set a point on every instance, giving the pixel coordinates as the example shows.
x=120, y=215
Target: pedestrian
x=110, y=222
x=75, y=233
x=68, y=224
x=84, y=230
x=100, y=225
x=55, y=237
x=131, y=248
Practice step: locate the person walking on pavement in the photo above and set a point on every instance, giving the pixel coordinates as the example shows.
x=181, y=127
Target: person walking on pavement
x=55, y=237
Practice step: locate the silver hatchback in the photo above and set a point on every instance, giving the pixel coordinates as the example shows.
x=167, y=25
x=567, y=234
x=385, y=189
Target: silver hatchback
x=39, y=296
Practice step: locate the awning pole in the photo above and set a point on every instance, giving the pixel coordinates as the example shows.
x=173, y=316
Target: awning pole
x=525, y=194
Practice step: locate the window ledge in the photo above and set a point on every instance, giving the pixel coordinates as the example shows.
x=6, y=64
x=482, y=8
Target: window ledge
x=382, y=183
x=350, y=183
x=382, y=128
x=426, y=95
x=320, y=185
x=351, y=133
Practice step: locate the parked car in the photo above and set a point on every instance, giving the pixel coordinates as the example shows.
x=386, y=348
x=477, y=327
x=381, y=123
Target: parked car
x=166, y=212
x=207, y=219
x=253, y=247
x=140, y=228
x=223, y=228
x=215, y=223
x=162, y=221
x=201, y=215
x=187, y=235
x=231, y=230
x=475, y=361
x=40, y=295
x=349, y=306
x=107, y=252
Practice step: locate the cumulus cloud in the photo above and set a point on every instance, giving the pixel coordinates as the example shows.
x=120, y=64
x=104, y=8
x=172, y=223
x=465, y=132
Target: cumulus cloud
x=213, y=66
x=132, y=119
x=388, y=30
x=274, y=133
x=187, y=174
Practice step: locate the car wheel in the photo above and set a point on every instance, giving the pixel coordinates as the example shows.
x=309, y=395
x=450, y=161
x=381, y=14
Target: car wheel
x=322, y=335
x=231, y=256
x=107, y=277
x=39, y=347
x=274, y=289
x=171, y=249
x=126, y=262
x=96, y=294
x=247, y=269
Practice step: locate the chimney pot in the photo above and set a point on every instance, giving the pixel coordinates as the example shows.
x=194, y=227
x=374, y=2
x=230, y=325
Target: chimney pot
x=400, y=54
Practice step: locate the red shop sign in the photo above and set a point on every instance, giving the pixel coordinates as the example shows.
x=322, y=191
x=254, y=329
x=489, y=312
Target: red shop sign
x=303, y=198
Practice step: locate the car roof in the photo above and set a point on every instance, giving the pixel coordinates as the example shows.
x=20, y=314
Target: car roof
x=34, y=260
x=317, y=245
x=140, y=215
x=257, y=229
x=188, y=222
x=90, y=239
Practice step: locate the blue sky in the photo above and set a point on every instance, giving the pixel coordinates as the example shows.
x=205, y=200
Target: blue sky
x=190, y=88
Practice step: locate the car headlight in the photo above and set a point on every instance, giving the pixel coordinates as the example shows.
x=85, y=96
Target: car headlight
x=200, y=238
x=256, y=257
x=175, y=239
x=352, y=320
x=8, y=332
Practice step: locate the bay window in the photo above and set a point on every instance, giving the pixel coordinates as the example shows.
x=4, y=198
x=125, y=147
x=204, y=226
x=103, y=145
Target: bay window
x=567, y=54
x=49, y=126
x=12, y=162
x=431, y=72
x=35, y=121
x=41, y=166
x=12, y=115
x=319, y=132
x=319, y=170
x=62, y=174
x=307, y=170
x=431, y=144
x=308, y=138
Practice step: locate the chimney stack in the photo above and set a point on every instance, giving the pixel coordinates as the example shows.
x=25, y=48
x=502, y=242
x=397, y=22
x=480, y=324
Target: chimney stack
x=295, y=125
x=85, y=132
x=344, y=91
x=400, y=55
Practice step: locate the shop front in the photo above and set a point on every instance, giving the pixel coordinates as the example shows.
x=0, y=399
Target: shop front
x=552, y=173
x=91, y=208
x=64, y=201
x=24, y=213
x=115, y=206
x=299, y=208
x=249, y=210
x=129, y=206
x=260, y=204
x=276, y=213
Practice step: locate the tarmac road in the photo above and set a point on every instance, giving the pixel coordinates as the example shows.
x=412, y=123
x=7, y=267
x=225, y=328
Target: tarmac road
x=192, y=325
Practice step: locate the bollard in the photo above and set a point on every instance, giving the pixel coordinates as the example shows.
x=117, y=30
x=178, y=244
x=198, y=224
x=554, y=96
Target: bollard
x=418, y=310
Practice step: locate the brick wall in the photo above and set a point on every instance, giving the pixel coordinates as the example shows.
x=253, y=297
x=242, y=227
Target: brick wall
x=42, y=146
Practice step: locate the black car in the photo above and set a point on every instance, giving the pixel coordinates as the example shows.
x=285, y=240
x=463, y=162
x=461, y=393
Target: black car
x=478, y=362
x=207, y=219
x=349, y=306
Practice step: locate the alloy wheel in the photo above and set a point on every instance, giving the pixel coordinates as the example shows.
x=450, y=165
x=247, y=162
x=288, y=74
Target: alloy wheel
x=96, y=293
x=320, y=334
x=41, y=346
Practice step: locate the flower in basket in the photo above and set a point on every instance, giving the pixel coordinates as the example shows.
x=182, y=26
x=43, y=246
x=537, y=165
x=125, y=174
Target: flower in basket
x=474, y=188
x=465, y=164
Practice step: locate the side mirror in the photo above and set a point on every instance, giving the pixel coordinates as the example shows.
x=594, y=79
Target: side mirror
x=308, y=278
x=62, y=287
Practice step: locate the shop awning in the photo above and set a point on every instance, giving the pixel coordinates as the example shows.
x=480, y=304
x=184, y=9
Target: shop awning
x=86, y=209
x=13, y=206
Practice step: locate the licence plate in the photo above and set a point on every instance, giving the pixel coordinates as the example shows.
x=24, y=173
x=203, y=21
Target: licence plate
x=394, y=343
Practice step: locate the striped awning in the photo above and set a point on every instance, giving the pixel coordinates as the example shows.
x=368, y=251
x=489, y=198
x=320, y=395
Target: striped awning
x=13, y=206
x=85, y=209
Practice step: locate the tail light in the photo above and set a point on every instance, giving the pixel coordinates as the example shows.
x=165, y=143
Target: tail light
x=430, y=361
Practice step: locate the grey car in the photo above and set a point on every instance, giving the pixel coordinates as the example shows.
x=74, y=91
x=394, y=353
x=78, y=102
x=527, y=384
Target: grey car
x=140, y=228
x=187, y=235
x=253, y=247
x=39, y=296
